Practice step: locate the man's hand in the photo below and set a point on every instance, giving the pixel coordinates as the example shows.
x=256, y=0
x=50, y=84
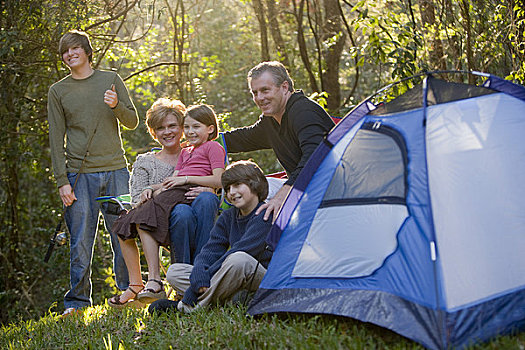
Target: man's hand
x=274, y=204
x=195, y=191
x=67, y=195
x=111, y=97
x=203, y=290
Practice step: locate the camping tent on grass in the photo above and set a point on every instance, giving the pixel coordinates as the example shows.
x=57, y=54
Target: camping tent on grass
x=411, y=216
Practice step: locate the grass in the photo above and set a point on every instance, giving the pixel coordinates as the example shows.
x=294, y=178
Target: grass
x=101, y=327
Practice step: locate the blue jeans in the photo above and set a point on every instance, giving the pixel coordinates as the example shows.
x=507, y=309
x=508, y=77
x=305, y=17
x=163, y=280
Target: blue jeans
x=82, y=221
x=190, y=226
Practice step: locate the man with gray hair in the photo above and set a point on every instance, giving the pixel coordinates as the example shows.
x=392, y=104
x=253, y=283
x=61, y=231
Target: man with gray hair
x=291, y=124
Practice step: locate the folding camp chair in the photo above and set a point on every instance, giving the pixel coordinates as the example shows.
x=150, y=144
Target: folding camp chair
x=116, y=204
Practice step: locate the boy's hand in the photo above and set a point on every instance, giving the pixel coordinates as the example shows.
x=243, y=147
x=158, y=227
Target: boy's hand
x=203, y=290
x=111, y=97
x=67, y=195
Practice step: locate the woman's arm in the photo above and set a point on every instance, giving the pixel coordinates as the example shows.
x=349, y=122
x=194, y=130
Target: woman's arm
x=142, y=186
x=140, y=177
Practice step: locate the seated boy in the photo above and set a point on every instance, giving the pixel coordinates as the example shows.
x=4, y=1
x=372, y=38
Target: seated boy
x=234, y=258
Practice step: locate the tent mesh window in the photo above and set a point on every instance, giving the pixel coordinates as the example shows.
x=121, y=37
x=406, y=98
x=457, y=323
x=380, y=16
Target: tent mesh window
x=345, y=239
x=372, y=169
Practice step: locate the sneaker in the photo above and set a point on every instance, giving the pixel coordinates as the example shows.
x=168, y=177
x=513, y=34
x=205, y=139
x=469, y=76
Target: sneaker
x=70, y=311
x=185, y=308
x=163, y=305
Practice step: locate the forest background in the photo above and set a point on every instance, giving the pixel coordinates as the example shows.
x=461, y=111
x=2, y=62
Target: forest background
x=199, y=51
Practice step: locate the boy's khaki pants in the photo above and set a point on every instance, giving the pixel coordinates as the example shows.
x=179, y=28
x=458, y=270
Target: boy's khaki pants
x=235, y=274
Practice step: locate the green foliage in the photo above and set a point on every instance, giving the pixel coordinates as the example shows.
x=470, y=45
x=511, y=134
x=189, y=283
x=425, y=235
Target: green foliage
x=515, y=35
x=319, y=97
x=398, y=40
x=28, y=198
x=207, y=62
x=217, y=328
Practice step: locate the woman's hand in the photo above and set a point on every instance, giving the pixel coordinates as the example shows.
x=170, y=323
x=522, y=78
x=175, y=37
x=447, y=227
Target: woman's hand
x=146, y=194
x=173, y=181
x=157, y=191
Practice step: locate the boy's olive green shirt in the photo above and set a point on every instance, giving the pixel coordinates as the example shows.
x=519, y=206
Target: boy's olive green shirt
x=75, y=108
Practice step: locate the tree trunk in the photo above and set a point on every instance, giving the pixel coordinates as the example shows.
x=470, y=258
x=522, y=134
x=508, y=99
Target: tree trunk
x=276, y=32
x=465, y=12
x=454, y=42
x=333, y=33
x=314, y=22
x=436, y=55
x=259, y=13
x=303, y=50
x=179, y=34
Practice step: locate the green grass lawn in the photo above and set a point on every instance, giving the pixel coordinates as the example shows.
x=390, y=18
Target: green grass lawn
x=101, y=327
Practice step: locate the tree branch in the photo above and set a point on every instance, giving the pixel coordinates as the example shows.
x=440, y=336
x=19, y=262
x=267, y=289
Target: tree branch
x=258, y=8
x=112, y=18
x=155, y=66
x=316, y=39
x=298, y=13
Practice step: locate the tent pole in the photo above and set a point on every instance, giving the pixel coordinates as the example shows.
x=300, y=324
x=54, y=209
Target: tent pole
x=433, y=247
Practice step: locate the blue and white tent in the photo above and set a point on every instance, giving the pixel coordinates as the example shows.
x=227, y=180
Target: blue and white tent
x=411, y=216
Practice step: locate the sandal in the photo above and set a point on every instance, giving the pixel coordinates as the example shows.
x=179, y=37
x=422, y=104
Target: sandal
x=115, y=302
x=149, y=295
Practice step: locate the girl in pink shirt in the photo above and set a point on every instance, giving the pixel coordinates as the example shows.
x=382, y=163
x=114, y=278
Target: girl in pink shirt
x=200, y=164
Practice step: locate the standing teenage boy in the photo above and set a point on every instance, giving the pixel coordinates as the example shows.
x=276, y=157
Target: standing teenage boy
x=291, y=124
x=234, y=258
x=84, y=112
